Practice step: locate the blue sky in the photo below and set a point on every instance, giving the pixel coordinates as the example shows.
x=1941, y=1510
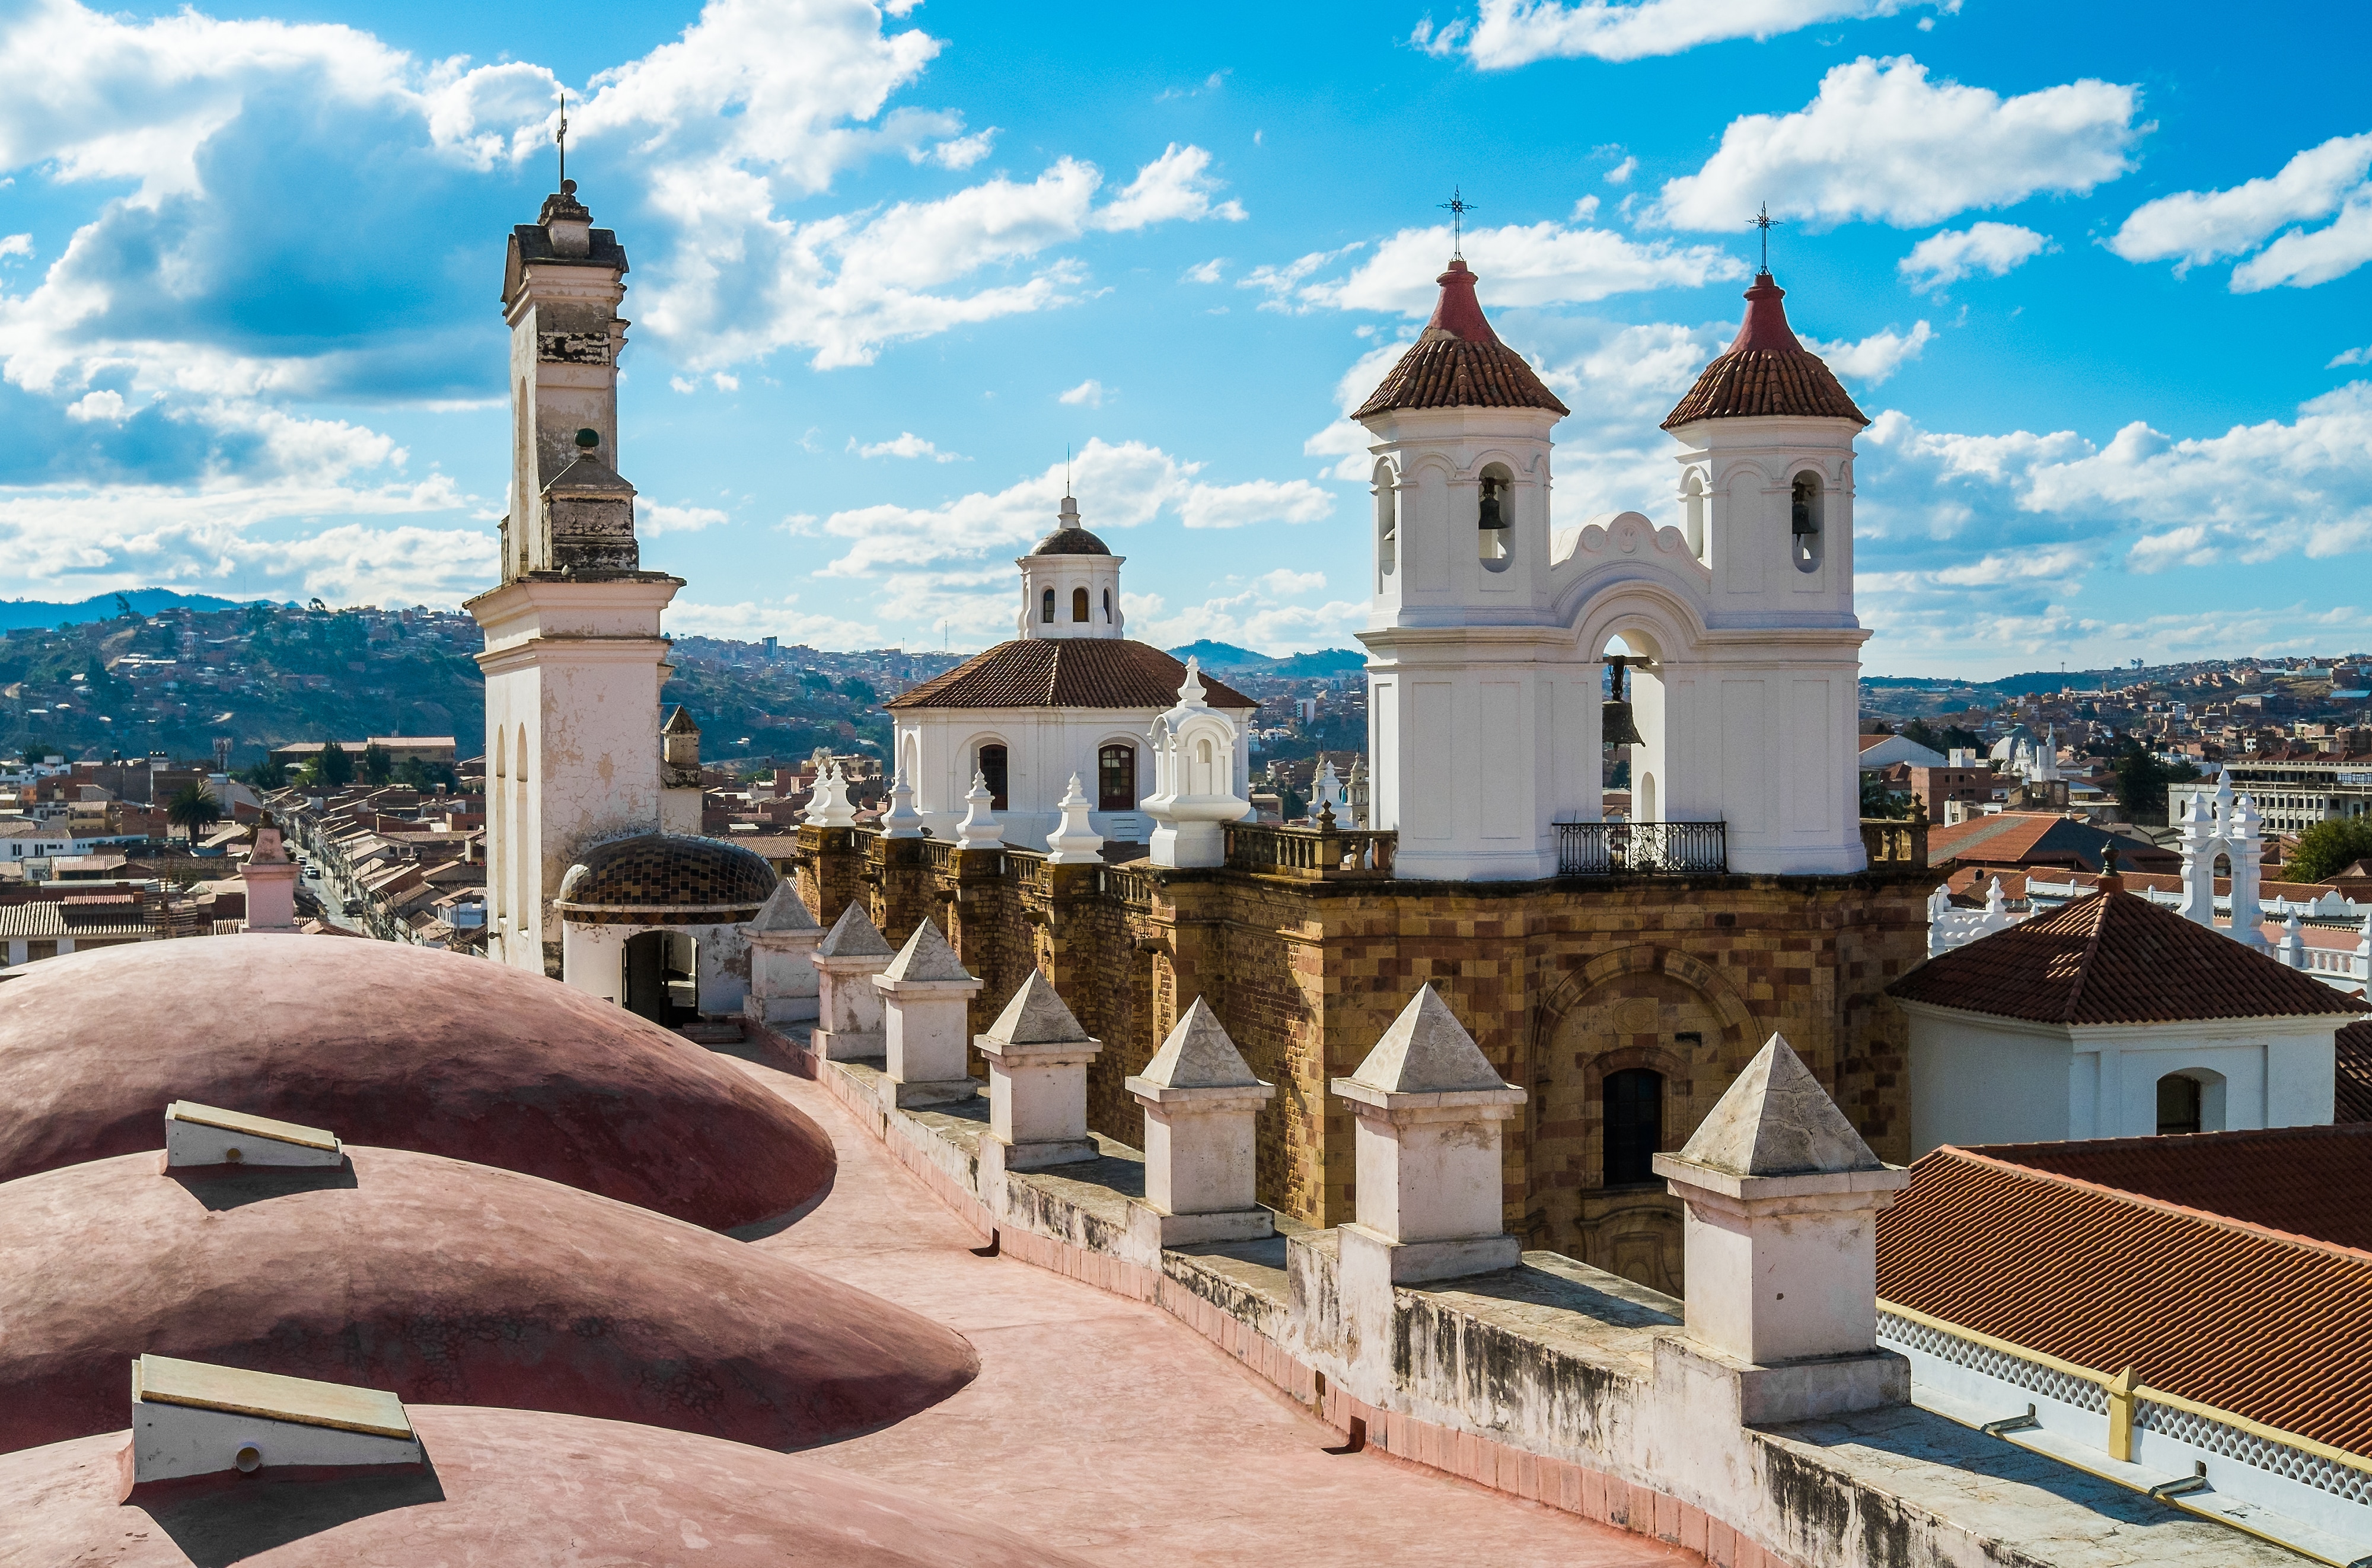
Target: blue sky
x=2097, y=271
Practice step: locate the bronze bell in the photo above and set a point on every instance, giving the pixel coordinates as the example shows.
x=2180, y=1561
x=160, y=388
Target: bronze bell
x=1490, y=513
x=1614, y=725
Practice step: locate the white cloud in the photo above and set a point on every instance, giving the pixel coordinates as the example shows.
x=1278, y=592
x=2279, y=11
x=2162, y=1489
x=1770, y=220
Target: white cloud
x=653, y=521
x=2352, y=356
x=1990, y=247
x=1254, y=501
x=725, y=383
x=752, y=621
x=17, y=245
x=1621, y=172
x=2195, y=226
x=1204, y=271
x=1089, y=393
x=1258, y=616
x=1879, y=141
x=1876, y=357
x=1508, y=33
x=1542, y=264
x=1175, y=187
x=107, y=404
x=906, y=444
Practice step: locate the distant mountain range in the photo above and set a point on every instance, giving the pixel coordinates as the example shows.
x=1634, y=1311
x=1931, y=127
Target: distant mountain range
x=18, y=613
x=1225, y=659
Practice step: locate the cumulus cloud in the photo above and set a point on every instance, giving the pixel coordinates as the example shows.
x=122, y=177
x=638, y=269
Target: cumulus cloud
x=906, y=444
x=2195, y=226
x=1175, y=187
x=1254, y=501
x=1204, y=271
x=1089, y=393
x=1259, y=615
x=1993, y=249
x=652, y=521
x=1872, y=359
x=1541, y=263
x=754, y=620
x=107, y=404
x=2351, y=356
x=1881, y=142
x=17, y=245
x=1508, y=33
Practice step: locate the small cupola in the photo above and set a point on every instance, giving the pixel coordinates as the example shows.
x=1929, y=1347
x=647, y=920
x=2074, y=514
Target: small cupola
x=1070, y=583
x=1458, y=362
x=1765, y=372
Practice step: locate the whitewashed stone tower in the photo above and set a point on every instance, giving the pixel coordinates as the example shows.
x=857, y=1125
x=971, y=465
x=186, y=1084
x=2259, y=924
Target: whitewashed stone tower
x=574, y=657
x=1486, y=627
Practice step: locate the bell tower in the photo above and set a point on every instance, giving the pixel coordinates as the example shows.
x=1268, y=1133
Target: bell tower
x=574, y=657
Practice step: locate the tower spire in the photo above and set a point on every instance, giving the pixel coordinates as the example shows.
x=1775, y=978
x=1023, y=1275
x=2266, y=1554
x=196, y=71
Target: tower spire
x=1458, y=207
x=1765, y=222
x=561, y=136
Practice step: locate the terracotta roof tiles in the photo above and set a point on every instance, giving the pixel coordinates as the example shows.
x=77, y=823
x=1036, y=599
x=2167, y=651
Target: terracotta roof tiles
x=1458, y=362
x=2271, y=1326
x=2113, y=957
x=1065, y=672
x=2354, y=1073
x=1765, y=372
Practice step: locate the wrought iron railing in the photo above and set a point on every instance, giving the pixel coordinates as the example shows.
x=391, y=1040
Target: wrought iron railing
x=1635, y=849
x=1318, y=855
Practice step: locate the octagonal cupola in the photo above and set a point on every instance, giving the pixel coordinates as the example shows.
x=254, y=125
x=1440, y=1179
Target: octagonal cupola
x=1070, y=583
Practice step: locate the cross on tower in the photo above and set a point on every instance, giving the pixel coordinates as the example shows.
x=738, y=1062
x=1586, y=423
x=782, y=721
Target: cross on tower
x=561, y=136
x=1458, y=207
x=1765, y=222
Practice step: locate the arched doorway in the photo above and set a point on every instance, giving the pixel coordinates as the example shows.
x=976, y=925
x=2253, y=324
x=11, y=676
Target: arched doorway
x=1621, y=1076
x=661, y=978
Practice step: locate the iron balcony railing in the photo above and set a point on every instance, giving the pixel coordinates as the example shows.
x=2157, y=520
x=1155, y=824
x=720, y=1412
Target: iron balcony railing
x=1636, y=849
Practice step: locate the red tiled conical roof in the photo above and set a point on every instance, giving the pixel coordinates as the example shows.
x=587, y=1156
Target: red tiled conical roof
x=1765, y=372
x=1458, y=362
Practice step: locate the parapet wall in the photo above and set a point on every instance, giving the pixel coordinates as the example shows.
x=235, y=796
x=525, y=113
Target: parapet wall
x=1554, y=1382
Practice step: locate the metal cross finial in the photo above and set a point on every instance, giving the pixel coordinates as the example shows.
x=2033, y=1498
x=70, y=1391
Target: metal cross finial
x=562, y=136
x=1765, y=222
x=1458, y=207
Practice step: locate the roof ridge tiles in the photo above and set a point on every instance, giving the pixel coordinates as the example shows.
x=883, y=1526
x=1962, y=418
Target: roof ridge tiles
x=2161, y=1205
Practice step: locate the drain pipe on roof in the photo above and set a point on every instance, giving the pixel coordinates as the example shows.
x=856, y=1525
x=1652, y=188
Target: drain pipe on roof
x=2011, y=1424
x=2196, y=1481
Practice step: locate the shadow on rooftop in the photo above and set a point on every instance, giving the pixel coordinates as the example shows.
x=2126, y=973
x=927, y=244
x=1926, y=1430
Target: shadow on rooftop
x=221, y=1187
x=758, y=1230
x=220, y=1521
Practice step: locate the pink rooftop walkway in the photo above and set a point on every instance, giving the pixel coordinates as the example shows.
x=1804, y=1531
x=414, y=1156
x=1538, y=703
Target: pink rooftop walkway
x=1105, y=1427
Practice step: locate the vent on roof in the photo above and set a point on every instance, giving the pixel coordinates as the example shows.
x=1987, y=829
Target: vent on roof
x=191, y=1418
x=206, y=1135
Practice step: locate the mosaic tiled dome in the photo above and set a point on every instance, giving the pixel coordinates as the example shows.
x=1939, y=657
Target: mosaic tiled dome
x=666, y=879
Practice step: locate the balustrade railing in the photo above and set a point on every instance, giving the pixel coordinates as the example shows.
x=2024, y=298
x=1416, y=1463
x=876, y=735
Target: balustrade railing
x=1318, y=855
x=1897, y=843
x=1636, y=849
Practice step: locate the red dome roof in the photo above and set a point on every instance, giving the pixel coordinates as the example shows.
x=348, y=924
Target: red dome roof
x=1458, y=362
x=441, y=1281
x=1765, y=372
x=511, y=1487
x=404, y=1047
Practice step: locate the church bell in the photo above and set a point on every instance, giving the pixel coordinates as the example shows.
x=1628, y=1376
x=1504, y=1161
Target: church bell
x=1491, y=514
x=1614, y=725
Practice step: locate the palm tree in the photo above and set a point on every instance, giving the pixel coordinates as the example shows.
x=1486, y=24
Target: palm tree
x=194, y=810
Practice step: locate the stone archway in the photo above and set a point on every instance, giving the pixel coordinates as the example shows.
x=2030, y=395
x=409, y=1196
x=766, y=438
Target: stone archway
x=1641, y=1009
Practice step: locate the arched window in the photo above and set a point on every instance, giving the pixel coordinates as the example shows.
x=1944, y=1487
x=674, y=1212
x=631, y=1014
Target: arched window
x=2178, y=1104
x=1046, y=606
x=1079, y=606
x=1803, y=509
x=992, y=768
x=1388, y=526
x=1693, y=512
x=1205, y=777
x=1634, y=1125
x=1106, y=607
x=1116, y=778
x=1495, y=516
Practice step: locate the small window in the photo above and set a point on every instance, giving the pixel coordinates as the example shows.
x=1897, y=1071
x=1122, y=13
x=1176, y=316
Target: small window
x=991, y=769
x=1106, y=607
x=1634, y=1125
x=1693, y=512
x=1046, y=606
x=2178, y=1104
x=1495, y=519
x=1116, y=778
x=1387, y=531
x=1079, y=606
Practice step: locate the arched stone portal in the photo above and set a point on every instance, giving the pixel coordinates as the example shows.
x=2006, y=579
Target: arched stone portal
x=1644, y=1009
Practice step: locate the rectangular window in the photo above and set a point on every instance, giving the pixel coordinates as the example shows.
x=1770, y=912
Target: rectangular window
x=1116, y=778
x=991, y=769
x=1635, y=1126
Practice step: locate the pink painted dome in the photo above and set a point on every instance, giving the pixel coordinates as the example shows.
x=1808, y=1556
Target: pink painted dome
x=441, y=1281
x=511, y=1487
x=398, y=1046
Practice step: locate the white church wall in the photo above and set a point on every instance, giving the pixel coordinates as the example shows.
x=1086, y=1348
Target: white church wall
x=1043, y=748
x=1982, y=1080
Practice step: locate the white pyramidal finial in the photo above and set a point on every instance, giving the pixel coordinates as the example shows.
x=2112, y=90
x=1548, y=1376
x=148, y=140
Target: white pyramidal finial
x=1190, y=695
x=980, y=829
x=1075, y=841
x=1995, y=903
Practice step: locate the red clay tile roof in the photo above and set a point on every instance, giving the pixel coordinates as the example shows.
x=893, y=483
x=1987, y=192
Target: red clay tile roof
x=2115, y=957
x=1065, y=672
x=2353, y=1073
x=2309, y=1181
x=2273, y=1327
x=2038, y=838
x=1765, y=371
x=1458, y=362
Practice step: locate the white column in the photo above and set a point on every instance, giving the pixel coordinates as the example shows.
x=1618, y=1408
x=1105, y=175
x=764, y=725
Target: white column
x=1202, y=1106
x=2199, y=845
x=2245, y=842
x=848, y=1008
x=1037, y=1058
x=926, y=993
x=782, y=981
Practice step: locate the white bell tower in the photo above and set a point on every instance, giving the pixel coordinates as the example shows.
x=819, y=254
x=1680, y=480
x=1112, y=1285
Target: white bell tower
x=574, y=657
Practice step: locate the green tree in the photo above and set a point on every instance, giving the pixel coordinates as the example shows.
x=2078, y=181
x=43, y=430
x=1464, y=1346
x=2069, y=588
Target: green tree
x=379, y=765
x=2329, y=847
x=269, y=773
x=331, y=768
x=414, y=773
x=1919, y=732
x=1876, y=800
x=2142, y=779
x=194, y=810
